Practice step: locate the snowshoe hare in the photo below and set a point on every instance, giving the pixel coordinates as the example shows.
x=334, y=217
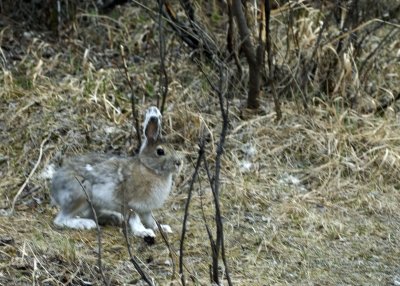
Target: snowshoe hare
x=116, y=184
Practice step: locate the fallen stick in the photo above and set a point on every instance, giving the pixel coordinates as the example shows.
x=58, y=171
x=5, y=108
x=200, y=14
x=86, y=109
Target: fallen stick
x=11, y=211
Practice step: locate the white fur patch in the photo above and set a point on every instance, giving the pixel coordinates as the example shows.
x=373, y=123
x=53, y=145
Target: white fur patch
x=290, y=180
x=153, y=111
x=138, y=228
x=103, y=195
x=74, y=222
x=120, y=175
x=48, y=172
x=110, y=129
x=89, y=168
x=245, y=166
x=249, y=150
x=166, y=228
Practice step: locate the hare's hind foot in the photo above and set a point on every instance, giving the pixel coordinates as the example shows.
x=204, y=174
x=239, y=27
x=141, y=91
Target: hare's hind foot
x=62, y=220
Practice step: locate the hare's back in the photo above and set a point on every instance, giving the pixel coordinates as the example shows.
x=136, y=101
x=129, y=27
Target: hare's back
x=88, y=159
x=98, y=174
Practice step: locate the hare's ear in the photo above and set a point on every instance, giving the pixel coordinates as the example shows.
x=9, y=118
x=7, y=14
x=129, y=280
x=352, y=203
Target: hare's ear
x=152, y=125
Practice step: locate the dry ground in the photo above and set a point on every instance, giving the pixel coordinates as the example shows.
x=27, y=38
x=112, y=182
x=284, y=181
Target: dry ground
x=311, y=200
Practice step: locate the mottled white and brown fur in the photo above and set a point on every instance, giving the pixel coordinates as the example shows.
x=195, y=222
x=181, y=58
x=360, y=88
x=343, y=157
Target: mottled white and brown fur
x=114, y=184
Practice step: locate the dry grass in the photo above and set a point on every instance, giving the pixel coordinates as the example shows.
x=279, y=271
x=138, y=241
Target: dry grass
x=311, y=200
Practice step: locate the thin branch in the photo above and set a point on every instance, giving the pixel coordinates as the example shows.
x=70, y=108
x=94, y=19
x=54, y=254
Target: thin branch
x=186, y=213
x=99, y=256
x=188, y=8
x=310, y=66
x=350, y=21
x=172, y=253
x=163, y=72
x=360, y=27
x=135, y=119
x=215, y=182
x=133, y=258
x=11, y=211
x=230, y=39
x=377, y=48
x=210, y=179
x=193, y=36
x=220, y=151
x=205, y=41
x=243, y=31
x=271, y=68
x=170, y=250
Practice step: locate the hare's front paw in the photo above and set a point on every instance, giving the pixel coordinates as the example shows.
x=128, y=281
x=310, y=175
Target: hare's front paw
x=166, y=228
x=138, y=229
x=146, y=232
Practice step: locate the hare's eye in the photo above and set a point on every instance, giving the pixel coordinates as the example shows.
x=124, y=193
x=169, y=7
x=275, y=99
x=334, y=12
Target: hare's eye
x=160, y=152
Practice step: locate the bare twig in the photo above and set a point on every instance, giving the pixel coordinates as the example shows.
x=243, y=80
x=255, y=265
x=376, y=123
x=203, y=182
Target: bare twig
x=215, y=183
x=209, y=233
x=193, y=36
x=163, y=73
x=271, y=68
x=170, y=250
x=220, y=150
x=378, y=47
x=133, y=258
x=11, y=211
x=59, y=18
x=360, y=27
x=135, y=262
x=135, y=118
x=310, y=67
x=230, y=38
x=173, y=254
x=188, y=8
x=99, y=256
x=186, y=213
x=350, y=20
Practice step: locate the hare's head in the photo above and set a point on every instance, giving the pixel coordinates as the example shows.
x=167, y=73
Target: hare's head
x=155, y=153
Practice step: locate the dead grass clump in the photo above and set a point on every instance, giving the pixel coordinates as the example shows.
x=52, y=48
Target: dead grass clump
x=334, y=53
